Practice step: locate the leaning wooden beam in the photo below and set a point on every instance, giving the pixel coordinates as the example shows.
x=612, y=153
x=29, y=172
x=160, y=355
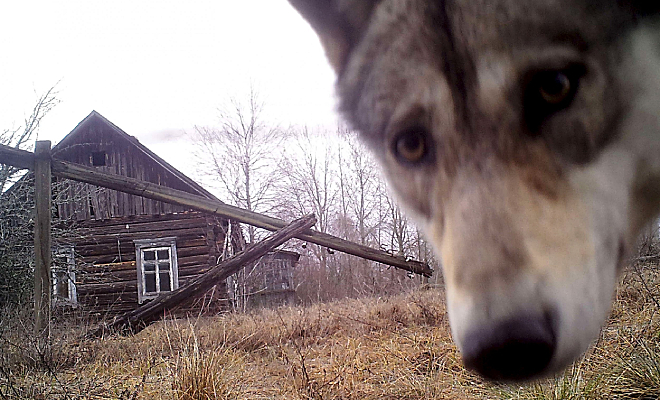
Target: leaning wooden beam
x=24, y=159
x=137, y=319
x=16, y=158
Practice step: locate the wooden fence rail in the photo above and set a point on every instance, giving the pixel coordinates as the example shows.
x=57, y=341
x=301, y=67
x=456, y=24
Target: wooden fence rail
x=25, y=159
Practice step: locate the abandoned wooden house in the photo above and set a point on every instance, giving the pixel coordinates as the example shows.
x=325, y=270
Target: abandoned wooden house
x=116, y=250
x=119, y=250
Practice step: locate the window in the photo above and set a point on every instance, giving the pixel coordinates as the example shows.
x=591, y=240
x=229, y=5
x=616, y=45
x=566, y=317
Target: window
x=98, y=158
x=64, y=277
x=157, y=268
x=276, y=274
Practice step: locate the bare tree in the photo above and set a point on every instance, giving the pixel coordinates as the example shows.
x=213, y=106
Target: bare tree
x=241, y=154
x=399, y=230
x=366, y=188
x=24, y=135
x=310, y=186
x=361, y=190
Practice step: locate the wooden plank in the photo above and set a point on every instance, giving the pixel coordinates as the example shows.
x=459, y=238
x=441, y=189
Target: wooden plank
x=42, y=239
x=107, y=310
x=146, y=313
x=138, y=219
x=92, y=252
x=94, y=203
x=191, y=251
x=98, y=299
x=128, y=252
x=105, y=277
x=106, y=288
x=112, y=287
x=126, y=286
x=109, y=245
x=106, y=258
x=193, y=270
x=99, y=238
x=109, y=267
x=192, y=260
x=192, y=266
x=104, y=204
x=158, y=225
x=213, y=206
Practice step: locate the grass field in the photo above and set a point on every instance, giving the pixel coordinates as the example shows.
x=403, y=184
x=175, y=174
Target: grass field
x=372, y=348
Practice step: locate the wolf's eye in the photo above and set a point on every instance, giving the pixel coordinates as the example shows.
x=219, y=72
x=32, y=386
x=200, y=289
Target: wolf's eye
x=550, y=91
x=411, y=145
x=555, y=87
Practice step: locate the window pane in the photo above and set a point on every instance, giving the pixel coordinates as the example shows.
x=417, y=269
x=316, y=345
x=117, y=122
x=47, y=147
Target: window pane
x=149, y=267
x=150, y=283
x=149, y=255
x=164, y=266
x=163, y=254
x=98, y=158
x=165, y=282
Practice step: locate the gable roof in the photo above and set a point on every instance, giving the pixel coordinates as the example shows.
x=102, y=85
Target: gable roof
x=96, y=117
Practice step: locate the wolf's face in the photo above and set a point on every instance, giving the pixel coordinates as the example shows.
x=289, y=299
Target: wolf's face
x=524, y=137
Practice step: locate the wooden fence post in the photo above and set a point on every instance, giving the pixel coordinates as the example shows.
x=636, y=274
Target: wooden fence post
x=42, y=239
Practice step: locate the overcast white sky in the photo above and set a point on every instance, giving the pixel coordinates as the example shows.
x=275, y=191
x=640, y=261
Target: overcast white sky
x=156, y=68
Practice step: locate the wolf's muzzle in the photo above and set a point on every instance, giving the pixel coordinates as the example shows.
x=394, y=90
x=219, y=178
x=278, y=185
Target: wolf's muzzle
x=511, y=350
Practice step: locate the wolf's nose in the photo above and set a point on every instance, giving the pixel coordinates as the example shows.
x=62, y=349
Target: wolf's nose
x=512, y=350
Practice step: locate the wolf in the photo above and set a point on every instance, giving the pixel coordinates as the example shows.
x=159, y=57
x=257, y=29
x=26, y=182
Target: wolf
x=524, y=138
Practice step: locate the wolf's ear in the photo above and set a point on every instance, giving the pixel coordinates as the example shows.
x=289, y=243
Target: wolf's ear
x=339, y=24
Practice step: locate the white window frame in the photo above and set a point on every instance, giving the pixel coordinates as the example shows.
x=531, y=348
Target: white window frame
x=142, y=245
x=72, y=297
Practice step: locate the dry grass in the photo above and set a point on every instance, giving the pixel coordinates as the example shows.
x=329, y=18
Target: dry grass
x=392, y=348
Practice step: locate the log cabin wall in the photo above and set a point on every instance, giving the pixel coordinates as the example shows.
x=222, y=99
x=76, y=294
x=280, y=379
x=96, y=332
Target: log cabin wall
x=106, y=270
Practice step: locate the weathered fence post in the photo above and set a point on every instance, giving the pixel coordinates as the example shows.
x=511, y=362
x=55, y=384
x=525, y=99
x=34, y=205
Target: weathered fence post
x=42, y=240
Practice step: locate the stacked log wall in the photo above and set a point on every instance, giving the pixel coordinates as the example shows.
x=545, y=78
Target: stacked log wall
x=106, y=271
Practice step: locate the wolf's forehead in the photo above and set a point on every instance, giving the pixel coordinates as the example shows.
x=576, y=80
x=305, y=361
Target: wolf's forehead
x=507, y=25
x=450, y=37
